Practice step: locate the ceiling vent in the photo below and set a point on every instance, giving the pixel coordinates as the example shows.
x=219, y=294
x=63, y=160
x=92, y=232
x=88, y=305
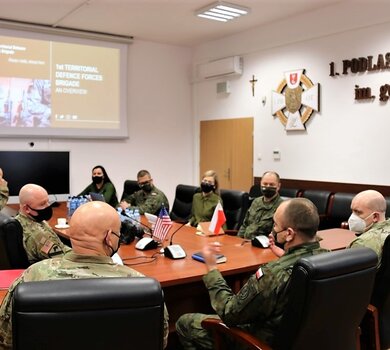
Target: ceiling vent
x=228, y=66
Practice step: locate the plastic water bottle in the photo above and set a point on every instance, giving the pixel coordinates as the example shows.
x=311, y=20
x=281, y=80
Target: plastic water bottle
x=72, y=206
x=84, y=200
x=119, y=211
x=68, y=207
x=129, y=215
x=78, y=201
x=137, y=217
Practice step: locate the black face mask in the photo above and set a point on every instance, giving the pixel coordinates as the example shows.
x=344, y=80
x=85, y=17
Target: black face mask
x=117, y=248
x=97, y=179
x=146, y=187
x=275, y=234
x=206, y=187
x=43, y=214
x=268, y=192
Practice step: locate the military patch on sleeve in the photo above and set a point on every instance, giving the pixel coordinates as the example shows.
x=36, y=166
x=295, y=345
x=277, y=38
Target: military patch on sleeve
x=47, y=247
x=55, y=250
x=259, y=273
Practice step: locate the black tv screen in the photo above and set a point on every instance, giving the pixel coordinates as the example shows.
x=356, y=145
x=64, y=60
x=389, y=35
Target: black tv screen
x=47, y=169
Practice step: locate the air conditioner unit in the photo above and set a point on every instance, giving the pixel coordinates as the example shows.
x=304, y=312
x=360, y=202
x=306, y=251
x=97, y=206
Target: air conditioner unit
x=221, y=68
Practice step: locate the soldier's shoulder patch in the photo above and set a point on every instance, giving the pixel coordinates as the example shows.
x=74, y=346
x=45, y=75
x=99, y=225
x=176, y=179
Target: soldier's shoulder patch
x=259, y=273
x=47, y=247
x=154, y=194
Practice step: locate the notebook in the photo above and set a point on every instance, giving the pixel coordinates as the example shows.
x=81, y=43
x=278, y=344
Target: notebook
x=97, y=197
x=151, y=219
x=220, y=258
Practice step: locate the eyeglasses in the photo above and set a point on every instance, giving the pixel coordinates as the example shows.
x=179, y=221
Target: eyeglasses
x=144, y=183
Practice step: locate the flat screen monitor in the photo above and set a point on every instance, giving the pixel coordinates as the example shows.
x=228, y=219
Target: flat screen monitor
x=47, y=169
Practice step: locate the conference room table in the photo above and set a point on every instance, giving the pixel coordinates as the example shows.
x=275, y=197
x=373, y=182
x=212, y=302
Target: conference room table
x=181, y=279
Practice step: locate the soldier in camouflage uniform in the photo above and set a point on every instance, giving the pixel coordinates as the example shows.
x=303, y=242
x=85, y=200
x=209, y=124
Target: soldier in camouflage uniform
x=204, y=203
x=368, y=218
x=39, y=240
x=94, y=234
x=258, y=219
x=4, y=193
x=259, y=305
x=149, y=198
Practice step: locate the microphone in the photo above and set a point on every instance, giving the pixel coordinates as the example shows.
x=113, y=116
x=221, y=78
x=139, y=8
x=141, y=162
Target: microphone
x=173, y=233
x=175, y=251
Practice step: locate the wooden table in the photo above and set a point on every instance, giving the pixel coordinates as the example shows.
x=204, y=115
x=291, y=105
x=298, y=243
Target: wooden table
x=336, y=238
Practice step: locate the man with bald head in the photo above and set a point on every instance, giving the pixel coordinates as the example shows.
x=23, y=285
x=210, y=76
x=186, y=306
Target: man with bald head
x=368, y=219
x=4, y=193
x=94, y=233
x=39, y=240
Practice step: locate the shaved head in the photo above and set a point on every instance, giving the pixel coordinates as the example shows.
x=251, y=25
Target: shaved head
x=91, y=228
x=32, y=196
x=372, y=200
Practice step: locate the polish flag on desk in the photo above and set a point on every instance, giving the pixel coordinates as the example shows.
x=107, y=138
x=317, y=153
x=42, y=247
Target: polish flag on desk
x=163, y=225
x=218, y=219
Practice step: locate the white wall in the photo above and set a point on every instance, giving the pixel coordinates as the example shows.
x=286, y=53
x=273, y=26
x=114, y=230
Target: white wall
x=347, y=141
x=159, y=122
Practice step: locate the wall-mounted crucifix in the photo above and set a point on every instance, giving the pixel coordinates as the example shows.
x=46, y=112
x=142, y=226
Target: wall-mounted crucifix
x=253, y=82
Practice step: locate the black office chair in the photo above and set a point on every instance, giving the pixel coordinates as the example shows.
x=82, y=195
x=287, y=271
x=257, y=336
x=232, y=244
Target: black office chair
x=254, y=192
x=289, y=192
x=129, y=187
x=321, y=200
x=94, y=313
x=376, y=325
x=387, y=207
x=182, y=205
x=12, y=253
x=328, y=296
x=339, y=210
x=235, y=206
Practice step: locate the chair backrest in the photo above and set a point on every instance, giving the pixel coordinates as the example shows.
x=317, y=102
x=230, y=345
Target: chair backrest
x=129, y=187
x=339, y=209
x=387, y=207
x=12, y=253
x=235, y=206
x=289, y=192
x=254, y=192
x=319, y=198
x=94, y=313
x=182, y=205
x=381, y=295
x=328, y=297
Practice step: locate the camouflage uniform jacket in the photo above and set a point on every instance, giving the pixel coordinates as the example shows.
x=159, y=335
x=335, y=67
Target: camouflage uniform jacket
x=374, y=238
x=203, y=207
x=258, y=307
x=39, y=240
x=108, y=191
x=148, y=202
x=69, y=266
x=4, y=193
x=259, y=218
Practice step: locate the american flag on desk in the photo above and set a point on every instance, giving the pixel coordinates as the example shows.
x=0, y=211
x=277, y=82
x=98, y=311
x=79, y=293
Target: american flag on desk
x=163, y=225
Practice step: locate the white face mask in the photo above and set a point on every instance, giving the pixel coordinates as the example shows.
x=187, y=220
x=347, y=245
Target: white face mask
x=357, y=224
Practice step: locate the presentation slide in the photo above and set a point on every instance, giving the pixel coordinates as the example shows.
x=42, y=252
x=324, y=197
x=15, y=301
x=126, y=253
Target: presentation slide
x=59, y=88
